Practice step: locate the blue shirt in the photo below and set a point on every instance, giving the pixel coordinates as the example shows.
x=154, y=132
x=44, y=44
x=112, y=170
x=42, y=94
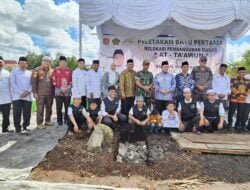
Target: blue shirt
x=164, y=81
x=184, y=81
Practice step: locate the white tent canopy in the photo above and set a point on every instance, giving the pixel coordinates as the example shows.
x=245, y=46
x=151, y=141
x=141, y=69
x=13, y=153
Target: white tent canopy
x=181, y=18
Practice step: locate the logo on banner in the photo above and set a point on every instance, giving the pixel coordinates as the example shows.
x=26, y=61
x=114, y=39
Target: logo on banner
x=127, y=42
x=116, y=41
x=106, y=41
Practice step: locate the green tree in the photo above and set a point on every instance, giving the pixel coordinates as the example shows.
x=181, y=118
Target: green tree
x=244, y=62
x=72, y=61
x=34, y=60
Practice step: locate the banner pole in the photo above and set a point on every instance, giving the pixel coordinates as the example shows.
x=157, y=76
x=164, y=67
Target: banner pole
x=80, y=39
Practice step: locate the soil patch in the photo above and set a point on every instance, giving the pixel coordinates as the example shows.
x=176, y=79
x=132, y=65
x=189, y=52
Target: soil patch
x=166, y=162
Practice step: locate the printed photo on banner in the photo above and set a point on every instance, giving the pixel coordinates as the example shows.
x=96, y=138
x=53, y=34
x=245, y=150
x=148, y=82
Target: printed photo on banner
x=117, y=50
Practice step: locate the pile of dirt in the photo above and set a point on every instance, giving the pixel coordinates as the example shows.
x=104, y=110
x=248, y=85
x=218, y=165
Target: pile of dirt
x=71, y=155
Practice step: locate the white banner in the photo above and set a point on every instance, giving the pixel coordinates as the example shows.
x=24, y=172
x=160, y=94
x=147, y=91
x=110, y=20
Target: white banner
x=175, y=51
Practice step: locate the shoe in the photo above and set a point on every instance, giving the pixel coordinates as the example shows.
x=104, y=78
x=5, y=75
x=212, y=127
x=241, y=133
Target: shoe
x=248, y=128
x=195, y=131
x=237, y=128
x=7, y=131
x=230, y=127
x=49, y=123
x=59, y=125
x=24, y=132
x=27, y=130
x=40, y=126
x=244, y=128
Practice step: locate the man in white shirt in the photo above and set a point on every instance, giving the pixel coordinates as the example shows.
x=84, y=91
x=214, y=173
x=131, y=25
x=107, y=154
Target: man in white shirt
x=94, y=83
x=214, y=112
x=139, y=116
x=190, y=113
x=110, y=109
x=76, y=121
x=21, y=88
x=5, y=96
x=79, y=81
x=221, y=85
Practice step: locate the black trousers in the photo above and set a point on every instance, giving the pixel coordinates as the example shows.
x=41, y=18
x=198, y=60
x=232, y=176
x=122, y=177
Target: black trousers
x=109, y=121
x=5, y=109
x=189, y=124
x=213, y=124
x=178, y=99
x=199, y=97
x=60, y=101
x=160, y=105
x=246, y=116
x=127, y=104
x=147, y=101
x=224, y=103
x=80, y=120
x=241, y=109
x=84, y=101
x=21, y=107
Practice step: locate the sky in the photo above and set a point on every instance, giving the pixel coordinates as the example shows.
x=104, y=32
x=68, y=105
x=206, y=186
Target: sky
x=52, y=26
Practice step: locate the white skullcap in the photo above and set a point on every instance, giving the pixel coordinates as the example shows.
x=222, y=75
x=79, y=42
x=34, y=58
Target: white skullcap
x=211, y=91
x=186, y=90
x=47, y=58
x=76, y=95
x=139, y=98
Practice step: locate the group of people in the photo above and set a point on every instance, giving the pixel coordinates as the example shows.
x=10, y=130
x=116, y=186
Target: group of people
x=194, y=102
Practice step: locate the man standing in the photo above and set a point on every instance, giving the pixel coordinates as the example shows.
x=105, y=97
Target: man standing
x=127, y=87
x=164, y=84
x=21, y=94
x=183, y=80
x=144, y=83
x=240, y=88
x=5, y=96
x=62, y=80
x=221, y=85
x=203, y=78
x=43, y=91
x=79, y=81
x=94, y=84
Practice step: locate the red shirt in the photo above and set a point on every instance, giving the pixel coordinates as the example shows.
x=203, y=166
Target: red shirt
x=62, y=77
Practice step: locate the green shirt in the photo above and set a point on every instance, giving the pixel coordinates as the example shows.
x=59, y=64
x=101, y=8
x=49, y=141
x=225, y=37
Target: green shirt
x=146, y=79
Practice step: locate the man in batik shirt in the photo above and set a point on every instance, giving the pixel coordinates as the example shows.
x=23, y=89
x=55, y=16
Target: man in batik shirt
x=62, y=80
x=127, y=87
x=240, y=88
x=183, y=80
